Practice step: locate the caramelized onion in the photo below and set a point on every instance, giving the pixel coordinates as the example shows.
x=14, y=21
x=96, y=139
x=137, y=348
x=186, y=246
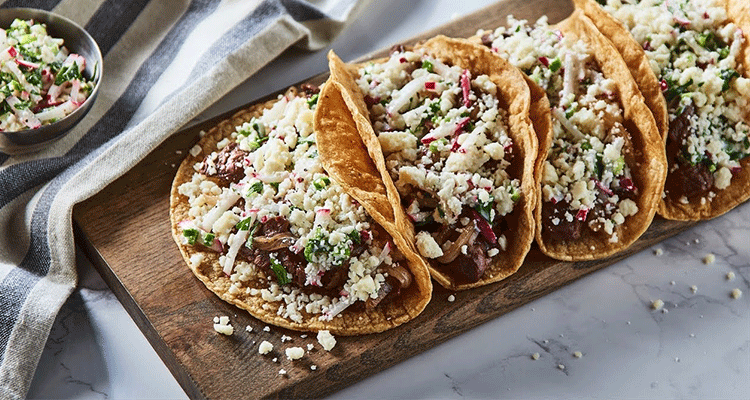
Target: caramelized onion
x=465, y=238
x=276, y=242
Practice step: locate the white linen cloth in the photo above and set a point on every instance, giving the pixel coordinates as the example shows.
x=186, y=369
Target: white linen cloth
x=165, y=61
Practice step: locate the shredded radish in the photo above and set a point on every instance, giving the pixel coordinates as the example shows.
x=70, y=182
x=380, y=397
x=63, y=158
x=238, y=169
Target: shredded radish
x=559, y=115
x=336, y=309
x=237, y=241
x=402, y=97
x=384, y=253
x=603, y=188
x=466, y=87
x=581, y=214
x=225, y=203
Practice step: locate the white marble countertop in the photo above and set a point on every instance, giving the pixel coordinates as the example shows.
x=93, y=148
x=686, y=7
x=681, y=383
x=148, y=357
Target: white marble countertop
x=696, y=346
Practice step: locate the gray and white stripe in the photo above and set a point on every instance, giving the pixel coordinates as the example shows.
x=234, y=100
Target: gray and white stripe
x=165, y=62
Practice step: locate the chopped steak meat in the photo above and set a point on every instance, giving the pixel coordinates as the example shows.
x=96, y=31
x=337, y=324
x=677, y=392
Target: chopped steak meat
x=228, y=165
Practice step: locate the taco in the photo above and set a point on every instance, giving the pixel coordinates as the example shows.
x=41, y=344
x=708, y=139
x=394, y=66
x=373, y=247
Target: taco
x=449, y=130
x=262, y=224
x=698, y=51
x=601, y=166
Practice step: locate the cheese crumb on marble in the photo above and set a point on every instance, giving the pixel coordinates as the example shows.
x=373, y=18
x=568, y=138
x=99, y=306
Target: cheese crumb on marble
x=294, y=353
x=709, y=259
x=265, y=347
x=326, y=340
x=535, y=356
x=736, y=293
x=577, y=354
x=221, y=325
x=451, y=298
x=658, y=252
x=560, y=367
x=730, y=275
x=672, y=283
x=694, y=289
x=657, y=304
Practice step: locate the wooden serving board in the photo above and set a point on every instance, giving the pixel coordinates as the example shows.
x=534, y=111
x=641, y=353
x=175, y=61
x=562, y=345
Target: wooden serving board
x=125, y=230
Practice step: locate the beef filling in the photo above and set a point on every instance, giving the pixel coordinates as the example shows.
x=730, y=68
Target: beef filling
x=228, y=165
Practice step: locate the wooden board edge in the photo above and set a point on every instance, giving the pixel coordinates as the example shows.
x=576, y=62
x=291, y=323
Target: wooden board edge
x=184, y=379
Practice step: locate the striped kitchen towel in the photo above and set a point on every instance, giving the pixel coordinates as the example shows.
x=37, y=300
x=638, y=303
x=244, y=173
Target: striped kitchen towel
x=165, y=61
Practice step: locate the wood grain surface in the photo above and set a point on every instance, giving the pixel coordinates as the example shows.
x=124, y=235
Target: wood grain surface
x=125, y=231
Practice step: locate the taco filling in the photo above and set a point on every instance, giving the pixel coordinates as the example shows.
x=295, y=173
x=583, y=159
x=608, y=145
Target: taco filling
x=693, y=49
x=446, y=146
x=586, y=181
x=264, y=203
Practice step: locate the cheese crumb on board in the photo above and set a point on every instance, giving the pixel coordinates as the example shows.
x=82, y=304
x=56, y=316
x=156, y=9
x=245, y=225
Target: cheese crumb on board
x=657, y=304
x=326, y=340
x=577, y=354
x=265, y=347
x=266, y=329
x=535, y=356
x=313, y=367
x=451, y=298
x=282, y=371
x=221, y=325
x=736, y=293
x=294, y=353
x=730, y=275
x=709, y=259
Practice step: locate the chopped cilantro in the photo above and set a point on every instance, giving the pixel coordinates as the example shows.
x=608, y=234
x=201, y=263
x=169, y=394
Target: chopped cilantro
x=727, y=75
x=313, y=100
x=244, y=224
x=191, y=235
x=427, y=65
x=674, y=90
x=436, y=144
x=275, y=185
x=321, y=182
x=256, y=187
x=208, y=239
x=571, y=110
x=281, y=275
x=485, y=209
x=586, y=145
x=249, y=243
x=619, y=166
x=555, y=64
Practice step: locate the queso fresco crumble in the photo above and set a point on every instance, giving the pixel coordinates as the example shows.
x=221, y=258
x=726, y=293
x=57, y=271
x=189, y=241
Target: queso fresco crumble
x=263, y=201
x=693, y=50
x=447, y=148
x=586, y=182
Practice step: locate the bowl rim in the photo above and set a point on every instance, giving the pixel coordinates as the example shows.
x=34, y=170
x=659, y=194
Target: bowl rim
x=96, y=77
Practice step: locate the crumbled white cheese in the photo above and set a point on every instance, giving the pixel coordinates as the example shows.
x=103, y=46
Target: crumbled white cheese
x=313, y=367
x=221, y=325
x=577, y=354
x=249, y=328
x=709, y=259
x=658, y=252
x=560, y=367
x=736, y=293
x=195, y=150
x=282, y=371
x=265, y=347
x=284, y=338
x=326, y=340
x=694, y=289
x=294, y=353
x=730, y=275
x=427, y=245
x=266, y=329
x=657, y=304
x=535, y=356
x=451, y=298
